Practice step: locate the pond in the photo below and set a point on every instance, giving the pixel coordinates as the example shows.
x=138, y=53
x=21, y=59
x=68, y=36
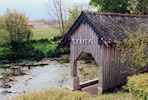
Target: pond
x=37, y=78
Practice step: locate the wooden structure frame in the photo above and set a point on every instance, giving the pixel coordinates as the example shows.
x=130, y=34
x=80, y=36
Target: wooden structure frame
x=103, y=49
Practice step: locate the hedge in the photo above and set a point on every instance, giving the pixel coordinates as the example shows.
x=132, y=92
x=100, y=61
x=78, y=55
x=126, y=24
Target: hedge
x=138, y=86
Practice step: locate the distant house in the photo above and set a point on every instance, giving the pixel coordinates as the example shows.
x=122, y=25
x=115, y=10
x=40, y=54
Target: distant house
x=31, y=24
x=38, y=25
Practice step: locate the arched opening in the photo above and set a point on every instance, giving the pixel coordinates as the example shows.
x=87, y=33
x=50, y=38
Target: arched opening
x=87, y=72
x=87, y=68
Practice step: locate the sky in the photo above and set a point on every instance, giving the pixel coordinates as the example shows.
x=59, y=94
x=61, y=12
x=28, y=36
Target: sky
x=34, y=9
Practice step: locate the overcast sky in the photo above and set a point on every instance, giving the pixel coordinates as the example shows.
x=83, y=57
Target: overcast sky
x=34, y=9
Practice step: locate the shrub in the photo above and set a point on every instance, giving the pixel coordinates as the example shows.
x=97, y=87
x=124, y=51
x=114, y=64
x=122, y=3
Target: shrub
x=55, y=94
x=15, y=35
x=21, y=50
x=17, y=51
x=46, y=51
x=48, y=48
x=53, y=53
x=134, y=50
x=138, y=86
x=13, y=27
x=38, y=53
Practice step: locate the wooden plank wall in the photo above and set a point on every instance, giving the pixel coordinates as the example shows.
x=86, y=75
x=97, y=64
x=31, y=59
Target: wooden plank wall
x=85, y=32
x=112, y=67
x=107, y=57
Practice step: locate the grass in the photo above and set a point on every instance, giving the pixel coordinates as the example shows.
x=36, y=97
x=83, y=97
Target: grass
x=55, y=94
x=44, y=45
x=46, y=48
x=45, y=33
x=63, y=94
x=116, y=96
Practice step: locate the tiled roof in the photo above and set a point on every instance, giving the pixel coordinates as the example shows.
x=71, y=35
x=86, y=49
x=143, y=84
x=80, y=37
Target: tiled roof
x=111, y=26
x=34, y=23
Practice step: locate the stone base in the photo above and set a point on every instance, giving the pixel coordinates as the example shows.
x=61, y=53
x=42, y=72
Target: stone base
x=74, y=83
x=92, y=89
x=100, y=90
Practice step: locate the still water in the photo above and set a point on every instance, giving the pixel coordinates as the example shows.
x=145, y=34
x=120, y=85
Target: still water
x=37, y=78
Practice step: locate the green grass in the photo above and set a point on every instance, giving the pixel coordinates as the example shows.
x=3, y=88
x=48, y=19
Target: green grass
x=45, y=33
x=44, y=45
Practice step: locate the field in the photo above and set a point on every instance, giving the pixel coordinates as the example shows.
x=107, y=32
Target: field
x=44, y=33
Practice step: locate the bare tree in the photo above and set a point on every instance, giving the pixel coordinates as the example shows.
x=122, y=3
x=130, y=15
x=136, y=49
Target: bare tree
x=57, y=10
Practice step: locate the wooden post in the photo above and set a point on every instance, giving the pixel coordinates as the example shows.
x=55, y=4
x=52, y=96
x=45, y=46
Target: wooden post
x=74, y=80
x=100, y=87
x=101, y=70
x=74, y=69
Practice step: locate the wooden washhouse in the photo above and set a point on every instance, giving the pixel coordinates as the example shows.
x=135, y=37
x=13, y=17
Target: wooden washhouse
x=94, y=33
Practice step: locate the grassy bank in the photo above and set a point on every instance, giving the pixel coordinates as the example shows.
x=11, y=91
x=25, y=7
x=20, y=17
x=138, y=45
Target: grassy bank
x=59, y=94
x=45, y=42
x=55, y=94
x=47, y=49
